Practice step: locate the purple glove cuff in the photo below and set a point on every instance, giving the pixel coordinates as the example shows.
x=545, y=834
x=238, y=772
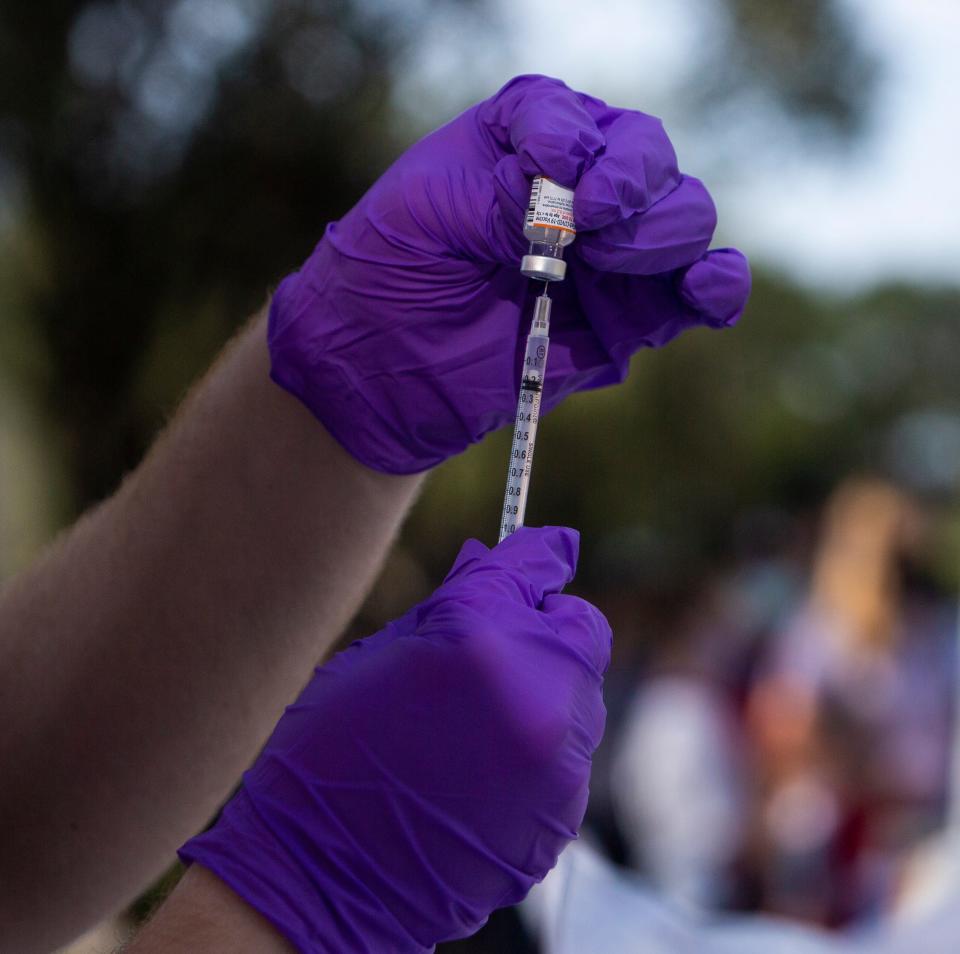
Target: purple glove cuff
x=279, y=886
x=305, y=365
x=376, y=393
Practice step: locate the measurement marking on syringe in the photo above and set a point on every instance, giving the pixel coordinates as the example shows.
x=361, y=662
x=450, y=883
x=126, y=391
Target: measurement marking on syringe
x=526, y=421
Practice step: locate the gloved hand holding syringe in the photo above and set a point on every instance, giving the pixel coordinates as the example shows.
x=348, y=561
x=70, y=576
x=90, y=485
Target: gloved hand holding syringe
x=549, y=226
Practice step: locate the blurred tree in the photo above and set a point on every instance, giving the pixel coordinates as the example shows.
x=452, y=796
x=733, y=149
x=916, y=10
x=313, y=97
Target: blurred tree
x=177, y=156
x=804, y=58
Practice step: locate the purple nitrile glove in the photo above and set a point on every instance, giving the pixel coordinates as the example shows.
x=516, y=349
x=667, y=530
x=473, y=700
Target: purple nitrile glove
x=429, y=773
x=403, y=332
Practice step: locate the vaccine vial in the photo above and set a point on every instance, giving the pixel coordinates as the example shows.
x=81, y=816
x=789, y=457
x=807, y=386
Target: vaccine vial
x=549, y=227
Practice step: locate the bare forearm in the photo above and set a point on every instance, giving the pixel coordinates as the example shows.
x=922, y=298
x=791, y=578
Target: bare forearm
x=147, y=657
x=203, y=916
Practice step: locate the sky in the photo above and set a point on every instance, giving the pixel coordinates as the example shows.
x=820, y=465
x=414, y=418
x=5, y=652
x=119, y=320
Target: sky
x=893, y=209
x=888, y=209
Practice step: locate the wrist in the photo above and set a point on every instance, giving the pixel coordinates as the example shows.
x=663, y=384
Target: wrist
x=205, y=914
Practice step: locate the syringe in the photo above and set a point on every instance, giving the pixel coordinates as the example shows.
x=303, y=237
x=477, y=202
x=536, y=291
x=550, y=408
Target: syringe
x=549, y=226
x=528, y=416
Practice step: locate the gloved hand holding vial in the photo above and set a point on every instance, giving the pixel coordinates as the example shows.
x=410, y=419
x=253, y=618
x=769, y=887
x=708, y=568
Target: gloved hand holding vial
x=400, y=331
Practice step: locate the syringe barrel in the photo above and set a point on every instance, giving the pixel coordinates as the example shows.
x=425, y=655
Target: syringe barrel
x=524, y=442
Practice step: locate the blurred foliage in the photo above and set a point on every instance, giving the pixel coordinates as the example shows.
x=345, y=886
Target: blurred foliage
x=768, y=415
x=173, y=158
x=804, y=57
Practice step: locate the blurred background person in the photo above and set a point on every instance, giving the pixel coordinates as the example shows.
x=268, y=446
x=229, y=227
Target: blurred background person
x=792, y=767
x=850, y=715
x=679, y=791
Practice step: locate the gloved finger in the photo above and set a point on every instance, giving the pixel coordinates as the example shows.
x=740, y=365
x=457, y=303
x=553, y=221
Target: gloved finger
x=717, y=286
x=583, y=628
x=470, y=553
x=647, y=311
x=525, y=567
x=638, y=168
x=511, y=187
x=672, y=233
x=578, y=358
x=546, y=124
x=628, y=312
